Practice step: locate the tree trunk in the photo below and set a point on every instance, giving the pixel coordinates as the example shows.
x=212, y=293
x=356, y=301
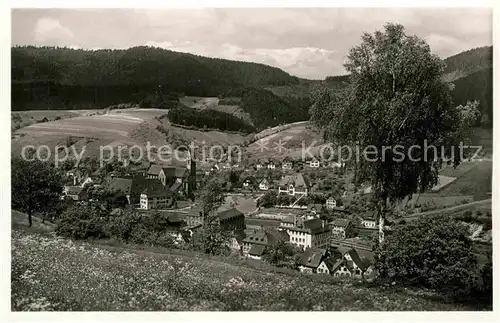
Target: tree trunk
x=29, y=218
x=381, y=218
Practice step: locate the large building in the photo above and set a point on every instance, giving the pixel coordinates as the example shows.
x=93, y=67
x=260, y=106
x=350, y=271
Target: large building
x=314, y=233
x=156, y=196
x=231, y=219
x=293, y=185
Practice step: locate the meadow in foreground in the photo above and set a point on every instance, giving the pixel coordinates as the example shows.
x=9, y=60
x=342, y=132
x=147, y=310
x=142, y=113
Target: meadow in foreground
x=51, y=273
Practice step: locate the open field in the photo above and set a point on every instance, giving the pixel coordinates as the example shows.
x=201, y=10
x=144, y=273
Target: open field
x=50, y=273
x=207, y=138
x=477, y=182
x=126, y=126
x=291, y=139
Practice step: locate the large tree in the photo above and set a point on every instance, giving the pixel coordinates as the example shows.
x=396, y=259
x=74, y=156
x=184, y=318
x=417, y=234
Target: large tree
x=212, y=196
x=395, y=96
x=433, y=251
x=36, y=186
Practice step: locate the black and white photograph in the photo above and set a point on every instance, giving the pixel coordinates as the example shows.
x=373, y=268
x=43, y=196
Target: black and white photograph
x=325, y=159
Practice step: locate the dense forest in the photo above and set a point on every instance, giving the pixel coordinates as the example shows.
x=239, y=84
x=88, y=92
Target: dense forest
x=208, y=119
x=269, y=110
x=472, y=74
x=470, y=60
x=63, y=78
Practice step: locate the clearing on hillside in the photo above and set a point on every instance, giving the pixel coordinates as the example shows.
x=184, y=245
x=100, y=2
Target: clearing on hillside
x=285, y=140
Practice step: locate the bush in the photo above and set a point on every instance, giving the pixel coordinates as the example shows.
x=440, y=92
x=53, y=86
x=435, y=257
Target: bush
x=82, y=222
x=434, y=252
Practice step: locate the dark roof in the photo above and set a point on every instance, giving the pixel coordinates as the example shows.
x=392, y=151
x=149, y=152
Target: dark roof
x=175, y=218
x=231, y=213
x=154, y=169
x=316, y=225
x=297, y=180
x=275, y=235
x=264, y=181
x=259, y=237
x=330, y=263
x=336, y=264
x=175, y=172
x=170, y=171
x=257, y=250
x=120, y=184
x=355, y=258
x=155, y=189
x=341, y=223
x=312, y=257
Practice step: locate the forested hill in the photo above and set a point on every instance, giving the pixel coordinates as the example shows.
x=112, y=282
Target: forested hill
x=472, y=74
x=61, y=78
x=469, y=61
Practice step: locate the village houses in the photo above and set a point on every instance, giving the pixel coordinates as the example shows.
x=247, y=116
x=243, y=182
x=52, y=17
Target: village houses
x=368, y=220
x=341, y=228
x=156, y=196
x=256, y=241
x=307, y=233
x=331, y=203
x=264, y=185
x=293, y=185
x=313, y=163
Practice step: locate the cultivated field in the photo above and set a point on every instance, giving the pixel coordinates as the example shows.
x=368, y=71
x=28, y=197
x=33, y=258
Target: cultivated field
x=127, y=126
x=54, y=274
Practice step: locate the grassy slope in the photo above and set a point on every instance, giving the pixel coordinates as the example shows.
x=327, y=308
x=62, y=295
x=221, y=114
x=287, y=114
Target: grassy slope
x=476, y=182
x=50, y=273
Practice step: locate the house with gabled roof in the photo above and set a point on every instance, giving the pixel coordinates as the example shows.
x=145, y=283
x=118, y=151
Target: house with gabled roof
x=293, y=185
x=349, y=264
x=264, y=185
x=287, y=163
x=311, y=260
x=168, y=174
x=271, y=164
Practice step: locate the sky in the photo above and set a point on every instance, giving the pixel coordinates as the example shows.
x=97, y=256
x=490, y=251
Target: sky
x=309, y=43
